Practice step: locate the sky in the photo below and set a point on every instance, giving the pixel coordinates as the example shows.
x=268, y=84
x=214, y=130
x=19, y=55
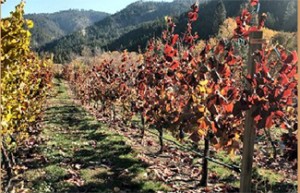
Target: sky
x=50, y=6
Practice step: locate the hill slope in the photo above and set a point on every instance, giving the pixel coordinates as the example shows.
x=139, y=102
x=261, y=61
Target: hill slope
x=134, y=25
x=204, y=25
x=49, y=27
x=113, y=27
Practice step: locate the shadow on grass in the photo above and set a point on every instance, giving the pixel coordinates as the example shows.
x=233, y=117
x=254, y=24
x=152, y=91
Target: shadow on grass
x=106, y=162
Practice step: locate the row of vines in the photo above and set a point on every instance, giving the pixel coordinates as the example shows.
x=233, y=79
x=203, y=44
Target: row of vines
x=202, y=94
x=25, y=80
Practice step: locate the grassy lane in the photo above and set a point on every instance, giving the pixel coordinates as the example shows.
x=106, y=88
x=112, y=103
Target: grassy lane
x=80, y=154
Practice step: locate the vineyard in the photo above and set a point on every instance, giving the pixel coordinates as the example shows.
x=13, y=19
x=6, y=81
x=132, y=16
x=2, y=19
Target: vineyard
x=186, y=115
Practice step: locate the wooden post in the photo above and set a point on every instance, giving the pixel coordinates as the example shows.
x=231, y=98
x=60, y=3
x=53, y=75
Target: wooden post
x=249, y=133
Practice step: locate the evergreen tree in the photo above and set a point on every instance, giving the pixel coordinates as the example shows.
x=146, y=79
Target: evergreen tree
x=219, y=16
x=290, y=17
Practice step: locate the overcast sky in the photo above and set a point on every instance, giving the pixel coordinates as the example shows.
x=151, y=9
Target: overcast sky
x=50, y=6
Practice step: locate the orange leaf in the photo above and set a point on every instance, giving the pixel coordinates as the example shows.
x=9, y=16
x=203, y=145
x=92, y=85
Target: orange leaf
x=283, y=126
x=229, y=108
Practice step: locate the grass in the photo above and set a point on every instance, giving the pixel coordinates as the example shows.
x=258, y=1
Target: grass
x=267, y=179
x=76, y=142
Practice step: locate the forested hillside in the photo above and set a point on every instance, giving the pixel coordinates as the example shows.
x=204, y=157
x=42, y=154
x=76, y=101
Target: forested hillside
x=49, y=27
x=106, y=31
x=132, y=26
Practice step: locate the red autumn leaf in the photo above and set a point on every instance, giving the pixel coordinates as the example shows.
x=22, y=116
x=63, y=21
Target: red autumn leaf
x=292, y=85
x=207, y=47
x=258, y=68
x=279, y=113
x=220, y=48
x=165, y=34
x=257, y=118
x=283, y=55
x=174, y=39
x=193, y=63
x=238, y=21
x=226, y=72
x=283, y=126
x=213, y=127
x=232, y=61
x=141, y=89
x=266, y=107
x=269, y=121
x=186, y=55
x=254, y=2
x=252, y=29
x=196, y=36
x=189, y=39
x=266, y=90
x=246, y=16
x=287, y=93
x=283, y=79
x=169, y=51
x=265, y=68
x=292, y=72
x=193, y=16
x=289, y=101
x=174, y=65
x=276, y=93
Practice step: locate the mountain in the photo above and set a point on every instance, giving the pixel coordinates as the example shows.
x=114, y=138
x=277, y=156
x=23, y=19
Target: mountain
x=51, y=26
x=277, y=12
x=112, y=27
x=133, y=26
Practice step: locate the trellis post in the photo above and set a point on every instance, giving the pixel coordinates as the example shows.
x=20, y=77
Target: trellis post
x=255, y=43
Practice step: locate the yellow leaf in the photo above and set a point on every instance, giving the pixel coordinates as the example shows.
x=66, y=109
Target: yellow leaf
x=6, y=24
x=290, y=109
x=28, y=34
x=8, y=117
x=201, y=89
x=231, y=153
x=29, y=23
x=236, y=136
x=166, y=18
x=32, y=119
x=201, y=132
x=13, y=41
x=201, y=109
x=203, y=82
